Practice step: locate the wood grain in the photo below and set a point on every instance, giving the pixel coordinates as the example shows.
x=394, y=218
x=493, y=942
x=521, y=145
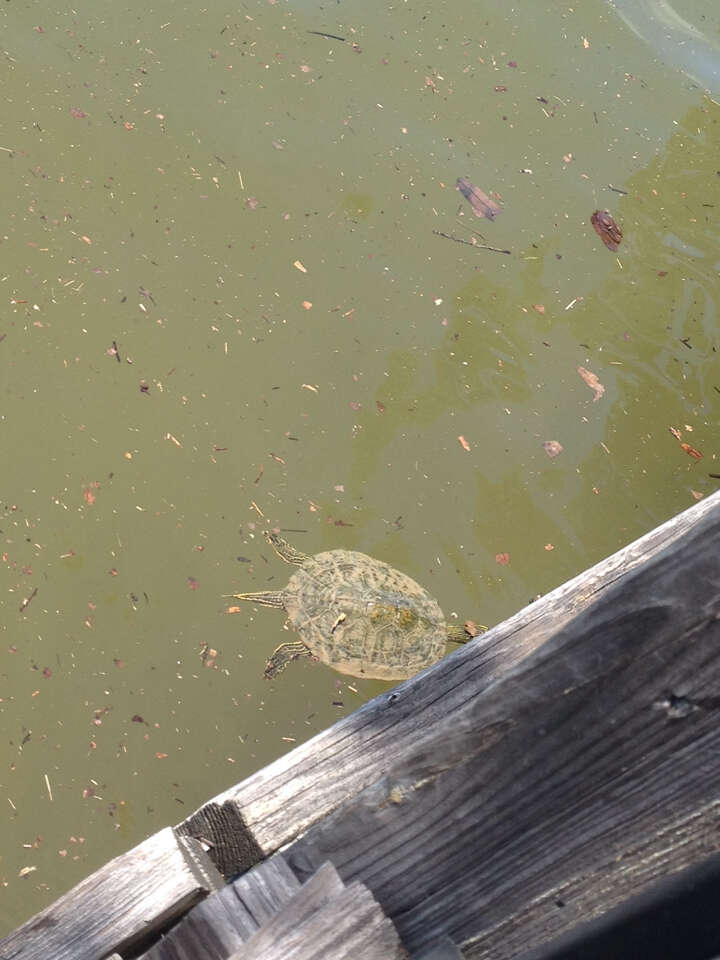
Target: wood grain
x=218, y=926
x=327, y=921
x=268, y=915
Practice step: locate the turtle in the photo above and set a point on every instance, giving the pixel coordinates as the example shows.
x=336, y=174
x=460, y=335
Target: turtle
x=356, y=614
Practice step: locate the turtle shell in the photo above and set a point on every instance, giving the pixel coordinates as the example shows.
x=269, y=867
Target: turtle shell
x=362, y=617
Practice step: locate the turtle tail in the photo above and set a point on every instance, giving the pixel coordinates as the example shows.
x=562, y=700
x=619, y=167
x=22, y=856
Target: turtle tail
x=267, y=598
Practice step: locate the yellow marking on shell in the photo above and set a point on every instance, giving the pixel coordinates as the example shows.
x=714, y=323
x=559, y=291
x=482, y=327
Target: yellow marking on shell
x=379, y=613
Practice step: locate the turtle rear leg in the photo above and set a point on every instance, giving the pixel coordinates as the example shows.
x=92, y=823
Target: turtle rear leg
x=284, y=550
x=283, y=655
x=267, y=598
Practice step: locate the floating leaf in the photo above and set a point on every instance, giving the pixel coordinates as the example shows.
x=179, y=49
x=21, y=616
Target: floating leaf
x=592, y=381
x=481, y=203
x=606, y=228
x=552, y=448
x=691, y=451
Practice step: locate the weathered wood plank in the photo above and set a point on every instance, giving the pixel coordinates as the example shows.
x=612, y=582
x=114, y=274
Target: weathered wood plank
x=285, y=798
x=326, y=921
x=443, y=949
x=321, y=919
x=307, y=899
x=220, y=924
x=676, y=918
x=265, y=890
x=583, y=774
x=119, y=905
x=209, y=931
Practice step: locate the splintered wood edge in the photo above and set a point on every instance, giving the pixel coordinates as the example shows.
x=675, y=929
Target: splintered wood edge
x=221, y=831
x=320, y=915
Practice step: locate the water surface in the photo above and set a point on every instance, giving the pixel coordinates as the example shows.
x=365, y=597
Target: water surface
x=227, y=307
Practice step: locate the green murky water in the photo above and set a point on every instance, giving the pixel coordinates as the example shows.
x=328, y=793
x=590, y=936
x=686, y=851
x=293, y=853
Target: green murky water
x=226, y=305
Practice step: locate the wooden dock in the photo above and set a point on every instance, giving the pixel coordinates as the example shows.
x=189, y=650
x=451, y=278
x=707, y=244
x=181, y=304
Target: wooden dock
x=550, y=790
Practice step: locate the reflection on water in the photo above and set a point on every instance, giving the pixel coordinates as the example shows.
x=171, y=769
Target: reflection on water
x=674, y=40
x=683, y=247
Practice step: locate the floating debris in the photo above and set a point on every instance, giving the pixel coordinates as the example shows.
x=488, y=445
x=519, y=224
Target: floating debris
x=606, y=228
x=481, y=203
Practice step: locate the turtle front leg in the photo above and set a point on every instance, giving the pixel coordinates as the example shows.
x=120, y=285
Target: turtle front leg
x=285, y=550
x=285, y=654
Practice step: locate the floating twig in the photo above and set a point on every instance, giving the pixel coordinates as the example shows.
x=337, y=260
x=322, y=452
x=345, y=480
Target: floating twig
x=465, y=226
x=478, y=246
x=330, y=36
x=26, y=602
